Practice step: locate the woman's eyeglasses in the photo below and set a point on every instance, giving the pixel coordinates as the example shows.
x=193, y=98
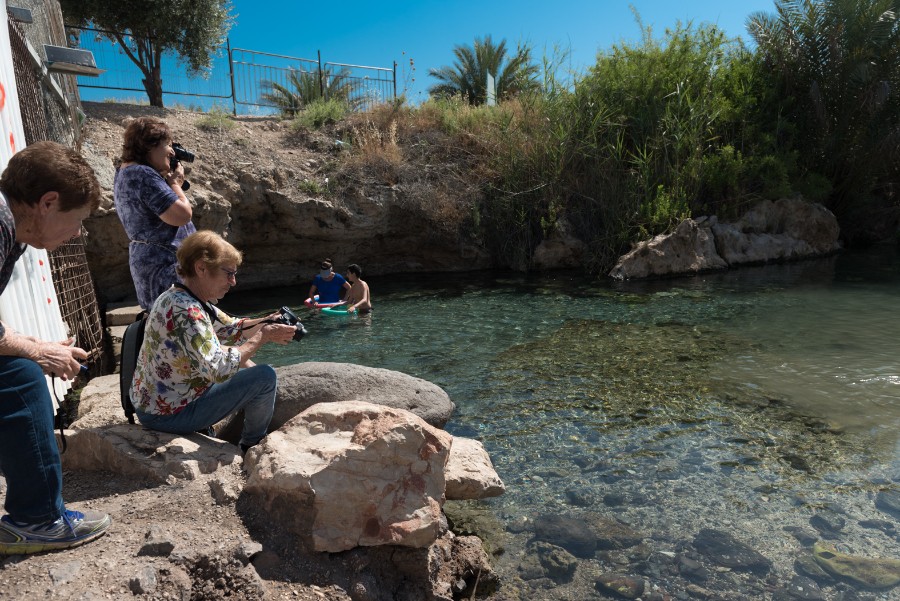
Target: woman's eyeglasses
x=229, y=273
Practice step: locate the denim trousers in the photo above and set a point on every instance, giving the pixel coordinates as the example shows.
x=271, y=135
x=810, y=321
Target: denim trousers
x=29, y=456
x=251, y=389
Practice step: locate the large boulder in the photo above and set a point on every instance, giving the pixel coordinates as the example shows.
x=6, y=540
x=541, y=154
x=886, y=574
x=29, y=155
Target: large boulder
x=300, y=386
x=778, y=231
x=303, y=385
x=348, y=474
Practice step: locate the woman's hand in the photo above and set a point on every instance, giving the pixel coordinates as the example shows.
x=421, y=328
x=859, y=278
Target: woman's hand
x=60, y=358
x=277, y=333
x=175, y=177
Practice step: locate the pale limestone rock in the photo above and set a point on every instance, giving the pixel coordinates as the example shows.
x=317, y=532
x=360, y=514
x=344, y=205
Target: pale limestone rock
x=100, y=404
x=785, y=230
x=470, y=473
x=350, y=474
x=157, y=456
x=690, y=248
x=778, y=231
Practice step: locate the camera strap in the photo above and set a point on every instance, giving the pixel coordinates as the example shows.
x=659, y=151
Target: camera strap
x=210, y=310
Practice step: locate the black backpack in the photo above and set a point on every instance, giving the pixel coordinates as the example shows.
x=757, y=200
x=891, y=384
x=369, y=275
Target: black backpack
x=131, y=346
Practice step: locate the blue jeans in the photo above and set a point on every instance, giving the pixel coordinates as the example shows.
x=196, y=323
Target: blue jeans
x=251, y=389
x=29, y=456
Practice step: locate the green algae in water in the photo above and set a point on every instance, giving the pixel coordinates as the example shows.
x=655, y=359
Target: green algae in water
x=599, y=376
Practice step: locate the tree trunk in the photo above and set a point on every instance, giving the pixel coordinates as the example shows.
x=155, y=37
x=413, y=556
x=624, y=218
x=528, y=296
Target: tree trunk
x=153, y=85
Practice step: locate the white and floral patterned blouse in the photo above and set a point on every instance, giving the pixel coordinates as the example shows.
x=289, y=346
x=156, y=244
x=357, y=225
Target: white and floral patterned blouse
x=182, y=354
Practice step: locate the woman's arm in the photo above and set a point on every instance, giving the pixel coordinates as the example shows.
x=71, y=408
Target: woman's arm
x=270, y=332
x=249, y=327
x=180, y=212
x=59, y=358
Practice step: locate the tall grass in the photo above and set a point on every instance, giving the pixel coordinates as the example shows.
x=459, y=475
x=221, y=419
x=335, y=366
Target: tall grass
x=647, y=138
x=655, y=132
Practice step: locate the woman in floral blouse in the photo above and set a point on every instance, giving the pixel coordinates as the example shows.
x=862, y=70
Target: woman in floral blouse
x=194, y=367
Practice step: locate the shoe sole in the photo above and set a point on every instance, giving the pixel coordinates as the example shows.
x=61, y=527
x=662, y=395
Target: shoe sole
x=27, y=547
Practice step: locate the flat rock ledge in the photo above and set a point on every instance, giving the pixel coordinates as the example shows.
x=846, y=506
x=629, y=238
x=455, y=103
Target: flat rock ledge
x=785, y=230
x=355, y=476
x=101, y=439
x=300, y=386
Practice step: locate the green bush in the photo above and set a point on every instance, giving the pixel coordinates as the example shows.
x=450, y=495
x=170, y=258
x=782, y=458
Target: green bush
x=217, y=119
x=320, y=112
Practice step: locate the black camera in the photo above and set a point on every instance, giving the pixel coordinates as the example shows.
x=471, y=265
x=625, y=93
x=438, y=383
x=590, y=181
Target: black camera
x=287, y=317
x=181, y=154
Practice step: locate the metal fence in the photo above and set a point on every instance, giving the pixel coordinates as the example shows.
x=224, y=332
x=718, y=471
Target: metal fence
x=245, y=78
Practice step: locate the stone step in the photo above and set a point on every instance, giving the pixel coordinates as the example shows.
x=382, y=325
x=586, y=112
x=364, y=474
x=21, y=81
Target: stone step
x=118, y=317
x=116, y=333
x=121, y=314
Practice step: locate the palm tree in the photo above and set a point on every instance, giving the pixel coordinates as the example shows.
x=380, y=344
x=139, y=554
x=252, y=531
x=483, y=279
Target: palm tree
x=304, y=87
x=467, y=77
x=837, y=68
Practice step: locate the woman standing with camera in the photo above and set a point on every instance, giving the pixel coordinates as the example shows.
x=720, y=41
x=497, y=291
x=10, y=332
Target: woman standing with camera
x=152, y=206
x=189, y=372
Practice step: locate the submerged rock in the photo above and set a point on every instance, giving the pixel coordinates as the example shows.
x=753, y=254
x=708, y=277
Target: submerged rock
x=725, y=550
x=572, y=534
x=624, y=586
x=874, y=573
x=888, y=501
x=828, y=523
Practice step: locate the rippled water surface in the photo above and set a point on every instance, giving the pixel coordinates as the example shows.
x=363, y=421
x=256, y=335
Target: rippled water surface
x=692, y=395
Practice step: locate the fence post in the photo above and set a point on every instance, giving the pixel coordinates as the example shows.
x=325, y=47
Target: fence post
x=395, y=80
x=321, y=77
x=231, y=75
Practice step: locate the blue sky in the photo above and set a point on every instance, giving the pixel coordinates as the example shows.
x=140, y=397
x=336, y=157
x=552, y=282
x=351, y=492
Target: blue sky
x=379, y=33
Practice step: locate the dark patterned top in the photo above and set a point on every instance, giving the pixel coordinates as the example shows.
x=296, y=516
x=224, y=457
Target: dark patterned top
x=141, y=196
x=10, y=251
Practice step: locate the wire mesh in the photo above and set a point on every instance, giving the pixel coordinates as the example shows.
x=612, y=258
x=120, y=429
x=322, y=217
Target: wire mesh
x=77, y=299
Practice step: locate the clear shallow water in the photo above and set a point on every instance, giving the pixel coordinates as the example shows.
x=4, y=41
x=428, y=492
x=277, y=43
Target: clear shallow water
x=719, y=398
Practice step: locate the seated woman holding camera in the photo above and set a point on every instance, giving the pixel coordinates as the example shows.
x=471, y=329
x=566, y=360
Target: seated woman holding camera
x=189, y=372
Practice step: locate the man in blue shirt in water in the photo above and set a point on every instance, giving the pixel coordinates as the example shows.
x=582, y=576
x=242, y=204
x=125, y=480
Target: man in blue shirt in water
x=328, y=284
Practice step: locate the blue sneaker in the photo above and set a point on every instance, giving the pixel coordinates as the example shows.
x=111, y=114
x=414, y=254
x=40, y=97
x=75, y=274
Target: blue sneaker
x=72, y=529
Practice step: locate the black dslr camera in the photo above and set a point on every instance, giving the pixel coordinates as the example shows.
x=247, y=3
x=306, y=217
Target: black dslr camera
x=181, y=154
x=287, y=317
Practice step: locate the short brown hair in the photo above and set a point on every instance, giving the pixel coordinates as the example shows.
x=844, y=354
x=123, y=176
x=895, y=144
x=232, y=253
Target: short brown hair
x=142, y=135
x=206, y=246
x=50, y=167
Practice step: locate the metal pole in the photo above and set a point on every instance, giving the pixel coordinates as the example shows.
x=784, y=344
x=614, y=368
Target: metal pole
x=231, y=75
x=395, y=80
x=321, y=77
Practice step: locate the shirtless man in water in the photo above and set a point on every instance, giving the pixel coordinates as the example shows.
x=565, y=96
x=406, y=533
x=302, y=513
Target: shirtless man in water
x=358, y=295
